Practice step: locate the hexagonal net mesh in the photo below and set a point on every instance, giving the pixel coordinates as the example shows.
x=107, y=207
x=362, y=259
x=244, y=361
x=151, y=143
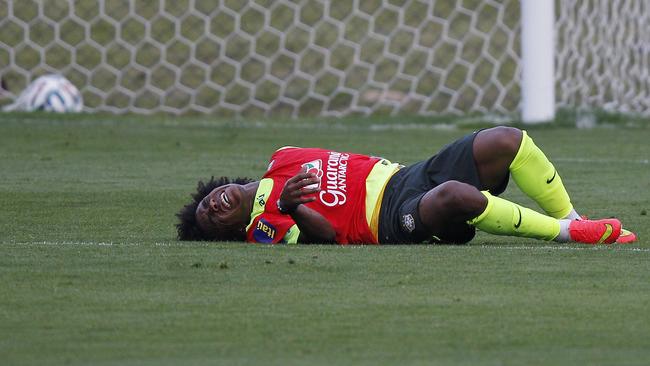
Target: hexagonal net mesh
x=292, y=58
x=603, y=55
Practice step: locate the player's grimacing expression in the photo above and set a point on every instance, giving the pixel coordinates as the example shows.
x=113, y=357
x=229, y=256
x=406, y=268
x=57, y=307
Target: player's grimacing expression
x=224, y=212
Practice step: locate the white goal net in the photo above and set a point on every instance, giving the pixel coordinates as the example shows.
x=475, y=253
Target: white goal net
x=321, y=58
x=603, y=55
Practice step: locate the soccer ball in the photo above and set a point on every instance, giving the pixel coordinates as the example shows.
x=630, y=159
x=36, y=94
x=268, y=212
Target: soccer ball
x=51, y=93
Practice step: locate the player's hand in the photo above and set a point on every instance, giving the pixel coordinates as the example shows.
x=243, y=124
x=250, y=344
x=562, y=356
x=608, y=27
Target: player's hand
x=297, y=190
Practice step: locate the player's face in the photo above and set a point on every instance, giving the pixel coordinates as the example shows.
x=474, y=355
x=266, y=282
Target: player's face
x=225, y=211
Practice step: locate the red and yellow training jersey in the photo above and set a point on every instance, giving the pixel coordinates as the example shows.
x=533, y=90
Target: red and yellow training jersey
x=350, y=192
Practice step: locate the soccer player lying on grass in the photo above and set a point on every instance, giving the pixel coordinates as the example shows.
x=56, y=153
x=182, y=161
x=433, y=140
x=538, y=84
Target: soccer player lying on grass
x=320, y=196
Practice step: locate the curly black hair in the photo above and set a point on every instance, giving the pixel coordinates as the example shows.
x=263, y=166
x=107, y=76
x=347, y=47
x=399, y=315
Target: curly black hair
x=188, y=228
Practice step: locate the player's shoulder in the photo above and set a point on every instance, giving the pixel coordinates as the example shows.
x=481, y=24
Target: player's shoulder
x=285, y=148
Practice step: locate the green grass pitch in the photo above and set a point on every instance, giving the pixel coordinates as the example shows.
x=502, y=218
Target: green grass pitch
x=91, y=273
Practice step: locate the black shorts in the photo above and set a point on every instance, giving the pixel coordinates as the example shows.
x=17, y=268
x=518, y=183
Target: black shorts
x=399, y=218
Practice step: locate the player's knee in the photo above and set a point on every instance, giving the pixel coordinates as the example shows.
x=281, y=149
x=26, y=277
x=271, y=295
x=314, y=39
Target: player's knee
x=504, y=139
x=460, y=198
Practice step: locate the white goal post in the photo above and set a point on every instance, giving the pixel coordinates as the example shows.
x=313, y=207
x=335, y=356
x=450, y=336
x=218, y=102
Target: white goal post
x=294, y=58
x=537, y=57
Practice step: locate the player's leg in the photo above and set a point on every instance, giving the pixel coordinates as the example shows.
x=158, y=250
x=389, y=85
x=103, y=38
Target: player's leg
x=453, y=203
x=500, y=150
x=443, y=215
x=505, y=150
x=456, y=233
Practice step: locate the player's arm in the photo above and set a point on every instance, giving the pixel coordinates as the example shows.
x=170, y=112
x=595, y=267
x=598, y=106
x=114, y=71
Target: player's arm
x=314, y=227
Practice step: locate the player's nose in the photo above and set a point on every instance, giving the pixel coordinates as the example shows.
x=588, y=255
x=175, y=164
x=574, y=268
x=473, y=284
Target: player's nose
x=213, y=204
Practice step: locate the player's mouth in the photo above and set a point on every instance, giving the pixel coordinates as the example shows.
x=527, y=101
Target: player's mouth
x=225, y=201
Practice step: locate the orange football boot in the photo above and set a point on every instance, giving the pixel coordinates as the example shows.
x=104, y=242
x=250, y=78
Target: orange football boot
x=595, y=231
x=626, y=237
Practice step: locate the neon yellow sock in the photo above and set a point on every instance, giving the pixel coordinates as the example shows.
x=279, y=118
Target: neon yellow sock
x=502, y=217
x=538, y=179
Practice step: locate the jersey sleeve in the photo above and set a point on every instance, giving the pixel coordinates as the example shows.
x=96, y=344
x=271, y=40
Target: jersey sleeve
x=270, y=229
x=267, y=225
x=281, y=230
